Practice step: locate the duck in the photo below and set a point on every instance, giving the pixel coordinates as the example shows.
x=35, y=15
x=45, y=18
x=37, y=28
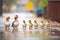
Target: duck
x=24, y=23
x=35, y=23
x=7, y=23
x=15, y=22
x=47, y=24
x=30, y=23
x=41, y=24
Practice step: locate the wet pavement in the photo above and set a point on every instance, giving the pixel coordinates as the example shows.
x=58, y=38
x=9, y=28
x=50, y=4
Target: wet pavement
x=35, y=34
x=52, y=34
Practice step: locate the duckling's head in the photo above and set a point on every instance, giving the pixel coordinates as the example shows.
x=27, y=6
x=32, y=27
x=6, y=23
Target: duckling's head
x=41, y=21
x=48, y=21
x=35, y=21
x=29, y=21
x=16, y=16
x=23, y=21
x=8, y=17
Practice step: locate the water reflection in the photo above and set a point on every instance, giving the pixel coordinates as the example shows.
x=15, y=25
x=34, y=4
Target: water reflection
x=7, y=35
x=27, y=35
x=15, y=34
x=24, y=35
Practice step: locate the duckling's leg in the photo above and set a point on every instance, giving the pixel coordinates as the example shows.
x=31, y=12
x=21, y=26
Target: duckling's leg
x=14, y=27
x=24, y=27
x=42, y=27
x=47, y=27
x=35, y=27
x=30, y=27
x=7, y=27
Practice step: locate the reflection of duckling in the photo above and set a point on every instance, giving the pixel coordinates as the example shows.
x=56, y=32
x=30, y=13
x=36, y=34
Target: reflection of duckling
x=16, y=22
x=35, y=24
x=24, y=24
x=7, y=24
x=47, y=24
x=41, y=24
x=30, y=24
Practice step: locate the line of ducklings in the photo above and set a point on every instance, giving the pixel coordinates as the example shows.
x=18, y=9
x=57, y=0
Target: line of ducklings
x=15, y=23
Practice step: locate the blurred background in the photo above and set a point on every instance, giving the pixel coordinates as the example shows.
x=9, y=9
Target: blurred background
x=48, y=8
x=20, y=5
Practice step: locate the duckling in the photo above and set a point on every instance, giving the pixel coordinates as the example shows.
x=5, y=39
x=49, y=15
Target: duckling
x=7, y=23
x=24, y=24
x=41, y=24
x=30, y=24
x=47, y=24
x=15, y=23
x=35, y=24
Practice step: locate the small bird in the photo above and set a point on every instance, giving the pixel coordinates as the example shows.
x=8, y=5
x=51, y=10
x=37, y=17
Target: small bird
x=24, y=24
x=15, y=23
x=30, y=24
x=7, y=23
x=41, y=25
x=35, y=24
x=47, y=24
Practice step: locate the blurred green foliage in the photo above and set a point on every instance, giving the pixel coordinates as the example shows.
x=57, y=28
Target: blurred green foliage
x=8, y=2
x=42, y=3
